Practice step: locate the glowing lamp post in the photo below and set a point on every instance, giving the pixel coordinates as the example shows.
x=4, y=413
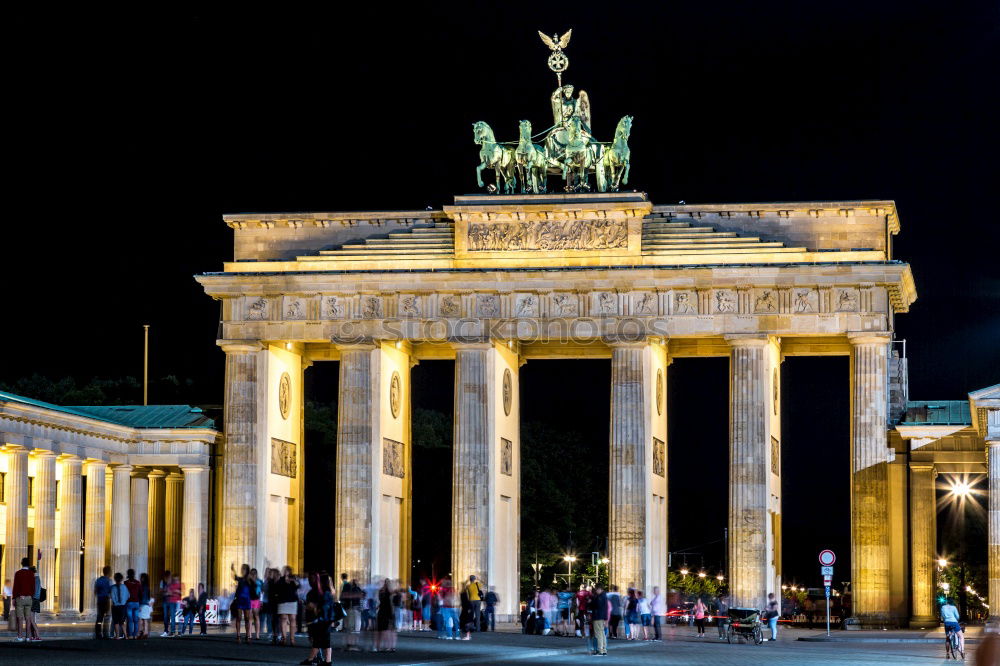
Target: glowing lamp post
x=570, y=559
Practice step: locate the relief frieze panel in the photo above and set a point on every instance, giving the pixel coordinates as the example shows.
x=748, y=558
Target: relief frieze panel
x=295, y=308
x=684, y=303
x=644, y=304
x=540, y=235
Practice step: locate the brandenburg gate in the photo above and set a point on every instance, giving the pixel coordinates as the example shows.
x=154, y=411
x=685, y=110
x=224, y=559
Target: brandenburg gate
x=496, y=281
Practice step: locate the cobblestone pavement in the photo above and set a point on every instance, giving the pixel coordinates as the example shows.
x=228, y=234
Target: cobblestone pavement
x=679, y=647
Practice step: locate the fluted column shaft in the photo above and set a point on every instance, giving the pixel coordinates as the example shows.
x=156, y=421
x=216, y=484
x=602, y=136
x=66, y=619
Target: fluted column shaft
x=173, y=513
x=993, y=529
x=353, y=521
x=870, y=479
x=191, y=551
x=923, y=541
x=470, y=523
x=45, y=524
x=156, y=526
x=94, y=555
x=16, y=498
x=121, y=518
x=240, y=473
x=139, y=534
x=749, y=366
x=70, y=501
x=626, y=509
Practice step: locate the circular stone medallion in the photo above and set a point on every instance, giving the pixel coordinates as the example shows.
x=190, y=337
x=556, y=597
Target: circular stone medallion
x=284, y=394
x=507, y=391
x=394, y=391
x=659, y=391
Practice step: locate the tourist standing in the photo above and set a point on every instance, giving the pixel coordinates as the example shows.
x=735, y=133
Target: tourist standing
x=119, y=601
x=658, y=609
x=600, y=609
x=202, y=606
x=492, y=599
x=23, y=591
x=145, y=606
x=36, y=605
x=448, y=629
x=132, y=606
x=475, y=591
x=102, y=593
x=173, y=601
x=700, y=610
x=632, y=615
x=772, y=615
x=615, y=600
x=319, y=613
x=162, y=588
x=241, y=600
x=7, y=599
x=254, y=581
x=190, y=610
x=285, y=593
x=269, y=610
x=645, y=614
x=723, y=613
x=385, y=623
x=350, y=599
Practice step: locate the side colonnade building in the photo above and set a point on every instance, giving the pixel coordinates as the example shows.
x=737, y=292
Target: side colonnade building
x=89, y=487
x=496, y=281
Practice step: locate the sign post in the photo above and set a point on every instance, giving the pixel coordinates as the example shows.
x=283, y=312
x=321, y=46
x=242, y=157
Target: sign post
x=826, y=560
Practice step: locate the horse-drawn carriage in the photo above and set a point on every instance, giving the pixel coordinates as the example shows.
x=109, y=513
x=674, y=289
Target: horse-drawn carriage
x=745, y=624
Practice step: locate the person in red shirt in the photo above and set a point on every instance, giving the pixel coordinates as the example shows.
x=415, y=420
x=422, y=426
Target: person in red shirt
x=23, y=591
x=134, y=588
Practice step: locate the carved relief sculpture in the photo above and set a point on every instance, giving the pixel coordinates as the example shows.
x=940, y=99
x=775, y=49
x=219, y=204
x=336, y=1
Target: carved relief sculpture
x=802, y=303
x=607, y=302
x=257, y=309
x=644, y=304
x=725, y=301
x=683, y=304
x=765, y=302
x=334, y=307
x=659, y=458
x=371, y=307
x=392, y=458
x=450, y=306
x=284, y=394
x=565, y=304
x=409, y=305
x=394, y=394
x=659, y=391
x=295, y=310
x=775, y=457
x=847, y=301
x=508, y=391
x=549, y=235
x=283, y=458
x=526, y=305
x=506, y=457
x=488, y=305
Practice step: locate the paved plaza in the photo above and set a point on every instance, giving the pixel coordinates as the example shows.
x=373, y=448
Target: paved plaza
x=680, y=646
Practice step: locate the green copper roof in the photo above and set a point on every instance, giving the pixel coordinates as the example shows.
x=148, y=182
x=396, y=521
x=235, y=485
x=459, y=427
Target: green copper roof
x=133, y=416
x=937, y=412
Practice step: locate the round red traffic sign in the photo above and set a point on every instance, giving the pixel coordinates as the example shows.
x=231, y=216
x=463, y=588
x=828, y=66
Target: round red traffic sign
x=827, y=558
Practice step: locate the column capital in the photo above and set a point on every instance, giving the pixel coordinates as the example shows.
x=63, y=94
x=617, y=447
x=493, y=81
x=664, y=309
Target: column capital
x=140, y=472
x=44, y=453
x=240, y=346
x=749, y=339
x=175, y=476
x=122, y=468
x=156, y=474
x=71, y=459
x=470, y=343
x=921, y=467
x=869, y=338
x=357, y=346
x=95, y=464
x=992, y=442
x=187, y=469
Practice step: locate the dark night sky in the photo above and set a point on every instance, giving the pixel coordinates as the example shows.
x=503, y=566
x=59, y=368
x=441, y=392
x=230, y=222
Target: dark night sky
x=130, y=134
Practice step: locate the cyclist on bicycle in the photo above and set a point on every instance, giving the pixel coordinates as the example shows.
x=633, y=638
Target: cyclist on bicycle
x=949, y=615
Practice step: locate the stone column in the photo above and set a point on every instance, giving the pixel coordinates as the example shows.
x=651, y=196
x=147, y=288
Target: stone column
x=139, y=533
x=870, y=479
x=993, y=531
x=94, y=556
x=753, y=473
x=121, y=515
x=470, y=492
x=70, y=501
x=191, y=551
x=355, y=425
x=16, y=498
x=626, y=510
x=237, y=536
x=156, y=526
x=172, y=524
x=45, y=524
x=923, y=544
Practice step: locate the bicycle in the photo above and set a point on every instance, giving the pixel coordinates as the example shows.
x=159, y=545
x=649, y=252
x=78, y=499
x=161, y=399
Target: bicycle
x=953, y=645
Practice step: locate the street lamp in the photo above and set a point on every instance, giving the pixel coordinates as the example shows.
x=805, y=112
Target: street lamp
x=701, y=574
x=961, y=488
x=570, y=559
x=942, y=563
x=684, y=572
x=720, y=578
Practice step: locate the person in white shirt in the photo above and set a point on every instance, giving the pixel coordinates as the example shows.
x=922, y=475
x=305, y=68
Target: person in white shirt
x=658, y=607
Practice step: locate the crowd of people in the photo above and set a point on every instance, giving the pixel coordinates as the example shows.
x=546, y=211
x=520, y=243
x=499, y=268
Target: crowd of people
x=22, y=601
x=125, y=605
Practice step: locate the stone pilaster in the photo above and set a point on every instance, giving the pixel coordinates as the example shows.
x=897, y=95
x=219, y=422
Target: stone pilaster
x=191, y=550
x=993, y=531
x=70, y=501
x=16, y=498
x=355, y=464
x=753, y=505
x=870, y=479
x=157, y=527
x=238, y=533
x=139, y=534
x=470, y=496
x=923, y=544
x=173, y=508
x=94, y=556
x=121, y=518
x=45, y=524
x=626, y=509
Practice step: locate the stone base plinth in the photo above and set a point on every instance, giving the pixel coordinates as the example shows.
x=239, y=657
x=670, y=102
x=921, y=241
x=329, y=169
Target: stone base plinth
x=924, y=623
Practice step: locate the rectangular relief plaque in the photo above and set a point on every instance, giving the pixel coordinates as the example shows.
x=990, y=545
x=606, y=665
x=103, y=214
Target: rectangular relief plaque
x=283, y=458
x=506, y=457
x=659, y=458
x=775, y=457
x=392, y=458
x=545, y=235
